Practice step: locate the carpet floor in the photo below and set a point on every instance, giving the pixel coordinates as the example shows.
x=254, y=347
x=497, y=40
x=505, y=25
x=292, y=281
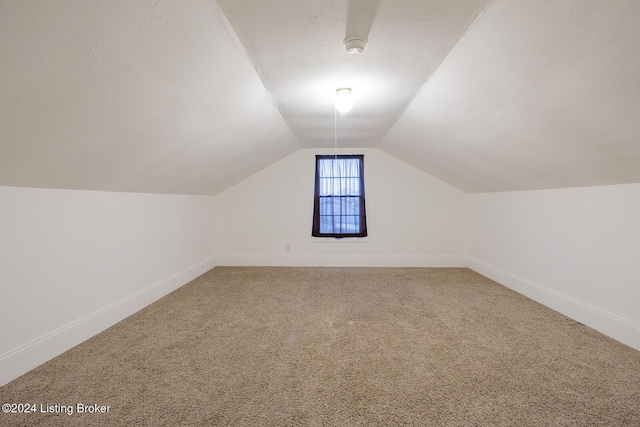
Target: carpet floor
x=275, y=346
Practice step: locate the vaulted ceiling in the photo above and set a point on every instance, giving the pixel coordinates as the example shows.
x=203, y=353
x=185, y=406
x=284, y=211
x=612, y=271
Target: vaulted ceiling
x=190, y=97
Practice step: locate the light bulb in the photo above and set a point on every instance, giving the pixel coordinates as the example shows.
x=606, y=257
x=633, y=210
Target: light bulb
x=344, y=101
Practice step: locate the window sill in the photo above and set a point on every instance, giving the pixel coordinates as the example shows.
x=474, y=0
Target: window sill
x=340, y=240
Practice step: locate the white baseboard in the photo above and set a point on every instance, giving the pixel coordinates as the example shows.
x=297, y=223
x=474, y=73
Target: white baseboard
x=30, y=355
x=625, y=331
x=293, y=260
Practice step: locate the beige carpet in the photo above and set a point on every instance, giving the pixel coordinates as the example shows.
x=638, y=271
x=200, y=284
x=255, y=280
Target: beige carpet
x=339, y=347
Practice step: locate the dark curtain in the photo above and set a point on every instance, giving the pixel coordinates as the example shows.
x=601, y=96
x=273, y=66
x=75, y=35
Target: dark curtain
x=339, y=203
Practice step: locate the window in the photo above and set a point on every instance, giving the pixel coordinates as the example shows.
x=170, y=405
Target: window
x=338, y=203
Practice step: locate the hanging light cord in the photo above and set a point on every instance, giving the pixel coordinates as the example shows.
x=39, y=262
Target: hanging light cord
x=335, y=132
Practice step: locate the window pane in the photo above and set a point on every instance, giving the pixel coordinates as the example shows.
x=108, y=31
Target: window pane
x=326, y=224
x=325, y=186
x=350, y=186
x=325, y=209
x=350, y=224
x=336, y=224
x=351, y=206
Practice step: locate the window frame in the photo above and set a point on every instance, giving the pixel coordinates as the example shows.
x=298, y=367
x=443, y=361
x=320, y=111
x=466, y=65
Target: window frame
x=315, y=231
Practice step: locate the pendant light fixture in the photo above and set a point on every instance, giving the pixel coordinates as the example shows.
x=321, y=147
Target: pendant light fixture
x=344, y=100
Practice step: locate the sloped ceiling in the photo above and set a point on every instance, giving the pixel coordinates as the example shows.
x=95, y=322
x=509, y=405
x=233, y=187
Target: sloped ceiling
x=297, y=47
x=130, y=95
x=189, y=97
x=537, y=94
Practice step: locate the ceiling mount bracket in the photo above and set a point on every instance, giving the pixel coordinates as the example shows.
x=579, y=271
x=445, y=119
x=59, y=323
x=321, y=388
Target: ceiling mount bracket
x=355, y=44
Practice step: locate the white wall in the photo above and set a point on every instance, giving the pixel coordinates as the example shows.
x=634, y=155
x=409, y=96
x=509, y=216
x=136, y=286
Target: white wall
x=575, y=250
x=413, y=218
x=73, y=263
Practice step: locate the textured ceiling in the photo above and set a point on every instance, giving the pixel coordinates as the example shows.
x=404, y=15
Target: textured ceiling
x=142, y=96
x=190, y=97
x=537, y=94
x=297, y=48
